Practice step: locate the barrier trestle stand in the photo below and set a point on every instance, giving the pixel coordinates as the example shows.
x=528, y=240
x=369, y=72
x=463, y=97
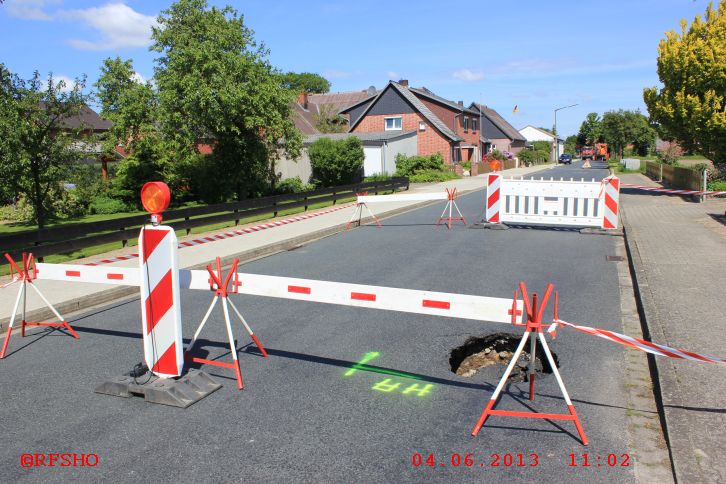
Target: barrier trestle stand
x=533, y=331
x=359, y=206
x=592, y=205
x=26, y=275
x=449, y=195
x=220, y=285
x=451, y=204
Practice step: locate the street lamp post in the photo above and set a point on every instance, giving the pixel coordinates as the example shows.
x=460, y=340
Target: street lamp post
x=557, y=144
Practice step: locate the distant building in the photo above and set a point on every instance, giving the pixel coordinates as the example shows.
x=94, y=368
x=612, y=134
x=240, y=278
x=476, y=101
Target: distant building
x=538, y=134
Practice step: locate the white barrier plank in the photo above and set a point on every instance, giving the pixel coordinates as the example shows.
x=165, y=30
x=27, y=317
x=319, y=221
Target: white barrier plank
x=120, y=276
x=479, y=308
x=407, y=197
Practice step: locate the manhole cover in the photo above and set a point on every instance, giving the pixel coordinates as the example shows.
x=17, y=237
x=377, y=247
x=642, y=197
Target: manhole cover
x=478, y=352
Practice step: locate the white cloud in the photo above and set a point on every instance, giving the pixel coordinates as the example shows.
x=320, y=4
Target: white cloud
x=30, y=9
x=136, y=77
x=68, y=83
x=118, y=26
x=335, y=74
x=468, y=75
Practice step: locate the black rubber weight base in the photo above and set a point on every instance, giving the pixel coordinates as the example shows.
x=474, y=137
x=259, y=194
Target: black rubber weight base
x=180, y=392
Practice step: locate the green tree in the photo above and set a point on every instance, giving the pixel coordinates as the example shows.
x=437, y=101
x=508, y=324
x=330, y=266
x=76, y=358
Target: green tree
x=215, y=83
x=38, y=143
x=621, y=128
x=336, y=162
x=590, y=130
x=691, y=105
x=571, y=144
x=305, y=82
x=329, y=121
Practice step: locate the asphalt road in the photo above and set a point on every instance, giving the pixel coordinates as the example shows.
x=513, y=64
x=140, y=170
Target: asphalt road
x=300, y=419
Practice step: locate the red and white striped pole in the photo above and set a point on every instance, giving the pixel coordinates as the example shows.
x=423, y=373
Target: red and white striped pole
x=494, y=182
x=160, y=308
x=612, y=196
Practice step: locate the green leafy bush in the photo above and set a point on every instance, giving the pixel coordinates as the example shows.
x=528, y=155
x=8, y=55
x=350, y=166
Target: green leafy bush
x=22, y=211
x=431, y=176
x=409, y=165
x=293, y=185
x=717, y=186
x=69, y=203
x=336, y=162
x=107, y=206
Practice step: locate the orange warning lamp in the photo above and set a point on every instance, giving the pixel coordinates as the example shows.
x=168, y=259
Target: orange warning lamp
x=155, y=197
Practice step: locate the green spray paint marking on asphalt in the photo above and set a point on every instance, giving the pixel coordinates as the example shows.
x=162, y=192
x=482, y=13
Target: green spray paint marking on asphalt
x=388, y=385
x=371, y=355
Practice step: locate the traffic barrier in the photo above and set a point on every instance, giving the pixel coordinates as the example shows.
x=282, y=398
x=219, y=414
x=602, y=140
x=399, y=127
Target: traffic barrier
x=533, y=331
x=553, y=202
x=219, y=284
x=159, y=270
x=449, y=195
x=359, y=206
x=26, y=276
x=670, y=191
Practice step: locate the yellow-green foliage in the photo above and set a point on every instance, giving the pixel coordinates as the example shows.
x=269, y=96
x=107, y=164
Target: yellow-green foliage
x=691, y=106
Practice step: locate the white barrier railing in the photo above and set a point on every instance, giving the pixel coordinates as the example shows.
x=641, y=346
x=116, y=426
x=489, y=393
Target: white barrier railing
x=553, y=202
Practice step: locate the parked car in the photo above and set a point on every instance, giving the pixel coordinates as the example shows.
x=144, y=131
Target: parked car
x=566, y=158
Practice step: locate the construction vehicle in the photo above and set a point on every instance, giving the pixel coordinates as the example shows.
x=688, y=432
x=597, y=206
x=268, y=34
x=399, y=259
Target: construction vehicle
x=601, y=152
x=587, y=152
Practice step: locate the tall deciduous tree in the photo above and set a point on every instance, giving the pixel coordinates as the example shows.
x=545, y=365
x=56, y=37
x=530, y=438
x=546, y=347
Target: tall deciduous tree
x=306, y=82
x=691, y=105
x=216, y=84
x=622, y=128
x=590, y=130
x=40, y=134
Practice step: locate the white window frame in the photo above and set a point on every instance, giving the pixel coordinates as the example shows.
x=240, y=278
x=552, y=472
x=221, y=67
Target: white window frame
x=466, y=124
x=421, y=126
x=385, y=123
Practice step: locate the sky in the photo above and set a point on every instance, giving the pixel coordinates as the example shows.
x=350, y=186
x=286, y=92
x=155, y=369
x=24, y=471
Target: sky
x=536, y=55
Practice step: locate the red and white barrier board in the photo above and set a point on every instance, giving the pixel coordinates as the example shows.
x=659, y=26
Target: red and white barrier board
x=404, y=197
x=160, y=308
x=553, y=202
x=452, y=305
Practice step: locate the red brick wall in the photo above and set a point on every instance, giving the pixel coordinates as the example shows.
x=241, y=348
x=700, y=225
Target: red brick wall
x=456, y=123
x=430, y=141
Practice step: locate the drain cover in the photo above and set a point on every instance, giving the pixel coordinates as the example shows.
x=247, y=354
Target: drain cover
x=614, y=258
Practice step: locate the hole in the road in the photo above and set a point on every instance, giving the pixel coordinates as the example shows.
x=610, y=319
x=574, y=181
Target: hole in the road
x=478, y=352
x=614, y=258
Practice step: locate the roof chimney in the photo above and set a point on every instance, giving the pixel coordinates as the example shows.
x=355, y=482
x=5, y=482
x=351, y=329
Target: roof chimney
x=302, y=99
x=461, y=103
x=403, y=82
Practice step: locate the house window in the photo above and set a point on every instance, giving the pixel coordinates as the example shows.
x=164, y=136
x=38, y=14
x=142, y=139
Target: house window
x=393, y=124
x=466, y=124
x=421, y=126
x=474, y=123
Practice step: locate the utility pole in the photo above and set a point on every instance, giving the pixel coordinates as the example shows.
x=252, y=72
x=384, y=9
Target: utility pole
x=557, y=143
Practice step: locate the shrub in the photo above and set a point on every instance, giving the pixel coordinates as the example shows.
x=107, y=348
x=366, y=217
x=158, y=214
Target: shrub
x=106, y=206
x=336, y=162
x=22, y=211
x=496, y=155
x=431, y=176
x=378, y=177
x=409, y=165
x=69, y=203
x=717, y=186
x=293, y=185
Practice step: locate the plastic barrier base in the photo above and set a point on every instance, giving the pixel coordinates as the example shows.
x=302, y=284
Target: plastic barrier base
x=181, y=392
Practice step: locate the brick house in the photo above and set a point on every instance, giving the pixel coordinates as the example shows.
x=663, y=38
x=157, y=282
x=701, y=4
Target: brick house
x=497, y=133
x=442, y=126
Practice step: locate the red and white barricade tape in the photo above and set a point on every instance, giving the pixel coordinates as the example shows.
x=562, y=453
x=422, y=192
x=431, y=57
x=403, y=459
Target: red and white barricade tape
x=672, y=191
x=478, y=308
x=636, y=343
x=233, y=233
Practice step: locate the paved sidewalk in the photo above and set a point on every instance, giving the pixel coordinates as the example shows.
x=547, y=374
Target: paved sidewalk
x=679, y=253
x=71, y=297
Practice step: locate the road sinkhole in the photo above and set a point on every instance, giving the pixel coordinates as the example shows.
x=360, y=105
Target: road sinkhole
x=478, y=352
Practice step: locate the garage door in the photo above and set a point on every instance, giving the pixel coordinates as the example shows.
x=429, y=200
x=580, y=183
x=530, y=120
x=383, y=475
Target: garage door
x=372, y=163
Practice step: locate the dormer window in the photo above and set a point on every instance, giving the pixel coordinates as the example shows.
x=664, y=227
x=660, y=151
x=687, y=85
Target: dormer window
x=394, y=124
